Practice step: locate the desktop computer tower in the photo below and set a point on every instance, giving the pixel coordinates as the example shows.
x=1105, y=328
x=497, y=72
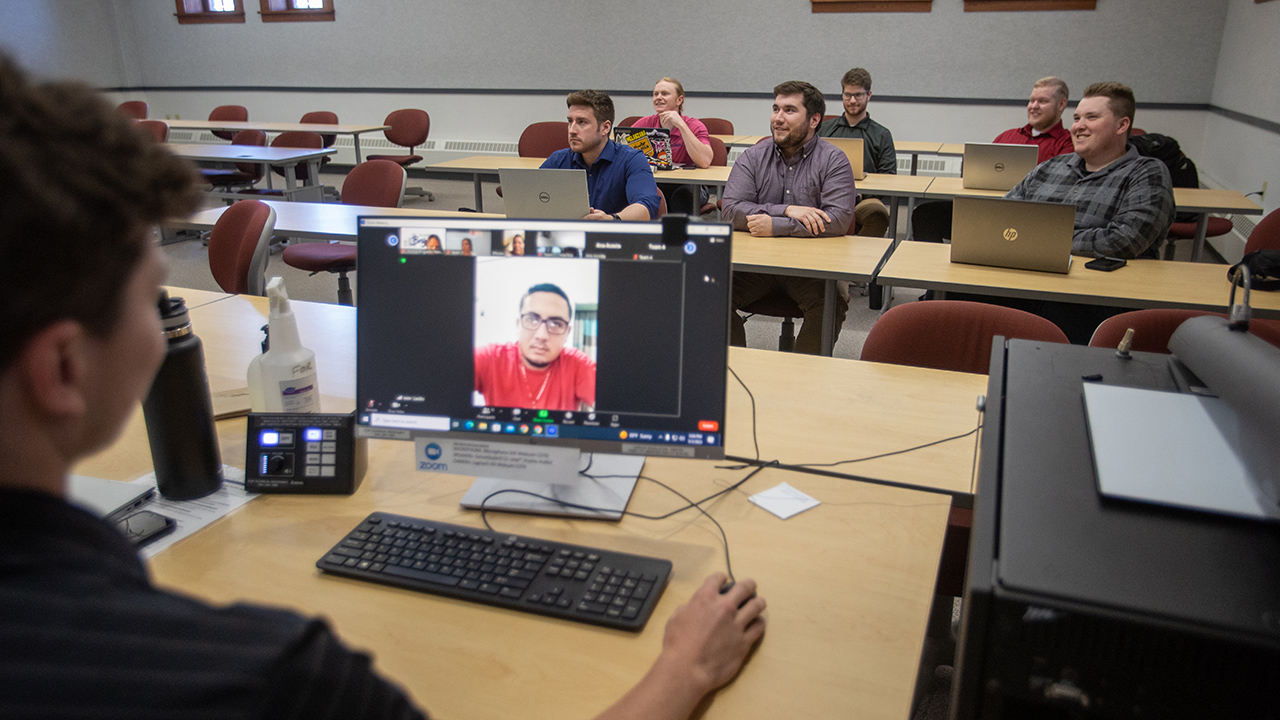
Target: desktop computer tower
x=1077, y=606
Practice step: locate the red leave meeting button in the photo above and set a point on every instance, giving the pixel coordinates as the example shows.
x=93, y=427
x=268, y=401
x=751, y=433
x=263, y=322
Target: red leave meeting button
x=708, y=425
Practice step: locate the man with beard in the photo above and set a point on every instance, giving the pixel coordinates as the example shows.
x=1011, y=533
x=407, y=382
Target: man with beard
x=793, y=184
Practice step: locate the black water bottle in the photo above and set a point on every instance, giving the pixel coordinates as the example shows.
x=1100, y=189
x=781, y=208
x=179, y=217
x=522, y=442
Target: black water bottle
x=179, y=413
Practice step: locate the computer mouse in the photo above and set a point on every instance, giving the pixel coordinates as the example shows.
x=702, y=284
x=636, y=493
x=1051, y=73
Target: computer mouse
x=729, y=586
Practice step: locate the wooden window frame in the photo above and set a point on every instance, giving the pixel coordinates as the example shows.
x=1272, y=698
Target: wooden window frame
x=289, y=14
x=187, y=17
x=833, y=6
x=1021, y=5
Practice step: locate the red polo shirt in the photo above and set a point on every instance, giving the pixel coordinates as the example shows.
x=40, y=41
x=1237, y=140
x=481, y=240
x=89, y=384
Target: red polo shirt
x=1053, y=142
x=568, y=383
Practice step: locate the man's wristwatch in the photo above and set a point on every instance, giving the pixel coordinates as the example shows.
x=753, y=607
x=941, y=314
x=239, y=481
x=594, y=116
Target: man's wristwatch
x=616, y=216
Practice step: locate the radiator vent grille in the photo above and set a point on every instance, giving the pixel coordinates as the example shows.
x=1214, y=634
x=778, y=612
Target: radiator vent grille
x=476, y=146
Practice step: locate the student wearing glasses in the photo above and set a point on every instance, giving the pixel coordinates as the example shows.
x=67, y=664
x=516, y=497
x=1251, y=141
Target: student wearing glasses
x=537, y=371
x=871, y=216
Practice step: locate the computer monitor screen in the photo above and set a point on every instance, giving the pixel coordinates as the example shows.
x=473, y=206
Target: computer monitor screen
x=605, y=336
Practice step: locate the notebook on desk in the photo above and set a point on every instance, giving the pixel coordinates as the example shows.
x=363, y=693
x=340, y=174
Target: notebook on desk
x=1019, y=234
x=853, y=149
x=995, y=166
x=655, y=143
x=544, y=193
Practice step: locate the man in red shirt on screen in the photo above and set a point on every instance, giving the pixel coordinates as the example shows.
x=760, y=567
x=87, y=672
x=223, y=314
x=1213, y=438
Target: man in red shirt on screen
x=537, y=371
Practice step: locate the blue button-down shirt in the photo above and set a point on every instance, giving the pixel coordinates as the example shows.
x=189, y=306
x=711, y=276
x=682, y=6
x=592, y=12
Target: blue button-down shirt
x=618, y=178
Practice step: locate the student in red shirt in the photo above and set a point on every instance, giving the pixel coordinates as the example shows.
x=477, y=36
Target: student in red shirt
x=538, y=371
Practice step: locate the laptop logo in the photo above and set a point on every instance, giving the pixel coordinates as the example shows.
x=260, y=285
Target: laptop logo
x=544, y=196
x=1010, y=234
x=999, y=167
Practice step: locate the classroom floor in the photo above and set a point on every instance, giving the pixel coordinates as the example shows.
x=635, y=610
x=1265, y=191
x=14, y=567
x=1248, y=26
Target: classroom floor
x=189, y=267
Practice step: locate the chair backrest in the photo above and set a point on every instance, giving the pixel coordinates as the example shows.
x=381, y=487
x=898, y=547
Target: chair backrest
x=323, y=117
x=230, y=113
x=541, y=139
x=1266, y=236
x=662, y=206
x=409, y=127
x=298, y=139
x=718, y=126
x=238, y=247
x=719, y=153
x=629, y=121
x=135, y=109
x=251, y=137
x=158, y=129
x=374, y=182
x=950, y=334
x=1153, y=328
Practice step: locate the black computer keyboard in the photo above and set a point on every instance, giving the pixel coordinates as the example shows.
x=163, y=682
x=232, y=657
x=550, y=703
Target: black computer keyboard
x=521, y=573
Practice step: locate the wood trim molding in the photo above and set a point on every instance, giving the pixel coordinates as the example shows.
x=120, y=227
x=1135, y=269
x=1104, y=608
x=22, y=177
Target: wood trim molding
x=831, y=6
x=1020, y=5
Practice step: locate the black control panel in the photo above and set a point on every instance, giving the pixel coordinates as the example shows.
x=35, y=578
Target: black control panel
x=303, y=453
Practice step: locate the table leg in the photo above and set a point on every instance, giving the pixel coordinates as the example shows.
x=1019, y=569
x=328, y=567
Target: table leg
x=915, y=162
x=828, y=317
x=1202, y=229
x=911, y=210
x=893, y=217
x=355, y=139
x=479, y=194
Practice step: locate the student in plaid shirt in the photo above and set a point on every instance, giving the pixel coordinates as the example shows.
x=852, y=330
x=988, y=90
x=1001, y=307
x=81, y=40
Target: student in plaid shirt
x=1124, y=201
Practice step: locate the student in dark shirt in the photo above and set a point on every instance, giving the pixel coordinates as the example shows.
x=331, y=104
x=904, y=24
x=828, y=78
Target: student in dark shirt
x=83, y=633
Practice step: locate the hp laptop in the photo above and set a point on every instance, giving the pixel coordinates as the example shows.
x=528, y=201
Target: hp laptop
x=1019, y=234
x=992, y=166
x=655, y=143
x=545, y=194
x=852, y=147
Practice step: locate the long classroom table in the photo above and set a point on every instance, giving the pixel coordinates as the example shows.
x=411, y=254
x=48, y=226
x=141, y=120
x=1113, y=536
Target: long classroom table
x=285, y=158
x=848, y=258
x=849, y=583
x=355, y=131
x=1139, y=284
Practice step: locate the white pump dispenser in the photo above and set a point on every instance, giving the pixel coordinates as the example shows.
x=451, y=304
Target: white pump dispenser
x=283, y=379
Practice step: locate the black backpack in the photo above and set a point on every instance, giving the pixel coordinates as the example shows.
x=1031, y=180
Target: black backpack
x=1181, y=169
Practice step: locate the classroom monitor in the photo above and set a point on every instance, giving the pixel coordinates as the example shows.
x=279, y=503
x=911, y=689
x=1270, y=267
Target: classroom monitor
x=608, y=338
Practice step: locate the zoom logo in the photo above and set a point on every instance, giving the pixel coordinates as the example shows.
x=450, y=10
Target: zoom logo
x=1010, y=234
x=433, y=452
x=392, y=240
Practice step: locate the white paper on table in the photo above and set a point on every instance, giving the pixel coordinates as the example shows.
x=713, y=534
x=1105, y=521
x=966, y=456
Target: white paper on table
x=192, y=515
x=784, y=501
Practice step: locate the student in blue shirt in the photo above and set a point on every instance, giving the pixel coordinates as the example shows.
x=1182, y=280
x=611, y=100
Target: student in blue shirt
x=620, y=184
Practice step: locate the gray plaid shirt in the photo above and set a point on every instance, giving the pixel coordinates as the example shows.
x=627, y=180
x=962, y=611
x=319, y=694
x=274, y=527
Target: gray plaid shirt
x=1123, y=210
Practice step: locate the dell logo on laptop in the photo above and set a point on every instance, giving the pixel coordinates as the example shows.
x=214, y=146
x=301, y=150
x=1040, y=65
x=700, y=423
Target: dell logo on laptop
x=999, y=167
x=544, y=197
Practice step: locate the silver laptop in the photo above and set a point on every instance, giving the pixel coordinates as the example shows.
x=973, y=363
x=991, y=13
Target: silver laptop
x=107, y=499
x=852, y=148
x=1019, y=234
x=545, y=194
x=993, y=166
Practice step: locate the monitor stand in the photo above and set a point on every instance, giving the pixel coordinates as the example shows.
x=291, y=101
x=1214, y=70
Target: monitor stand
x=608, y=490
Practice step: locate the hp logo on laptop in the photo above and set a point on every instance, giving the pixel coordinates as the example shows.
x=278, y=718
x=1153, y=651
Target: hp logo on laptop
x=1010, y=234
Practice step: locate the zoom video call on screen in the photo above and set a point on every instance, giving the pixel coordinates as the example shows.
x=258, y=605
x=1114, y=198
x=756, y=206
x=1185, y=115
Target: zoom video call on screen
x=547, y=331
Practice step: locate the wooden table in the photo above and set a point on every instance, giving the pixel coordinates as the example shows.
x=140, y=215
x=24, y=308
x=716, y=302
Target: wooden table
x=355, y=131
x=281, y=157
x=1194, y=200
x=849, y=583
x=1140, y=284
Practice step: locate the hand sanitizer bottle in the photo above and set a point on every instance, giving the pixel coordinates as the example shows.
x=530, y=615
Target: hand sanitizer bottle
x=283, y=378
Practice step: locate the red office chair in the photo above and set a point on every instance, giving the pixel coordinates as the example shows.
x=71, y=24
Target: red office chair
x=718, y=126
x=409, y=128
x=238, y=247
x=1153, y=328
x=719, y=158
x=1187, y=230
x=228, y=113
x=297, y=139
x=135, y=109
x=629, y=121
x=373, y=182
x=540, y=140
x=951, y=335
x=1266, y=236
x=245, y=175
x=158, y=129
x=322, y=117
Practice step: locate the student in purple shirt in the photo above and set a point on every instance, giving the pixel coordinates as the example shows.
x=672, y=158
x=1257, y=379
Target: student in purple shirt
x=620, y=184
x=792, y=184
